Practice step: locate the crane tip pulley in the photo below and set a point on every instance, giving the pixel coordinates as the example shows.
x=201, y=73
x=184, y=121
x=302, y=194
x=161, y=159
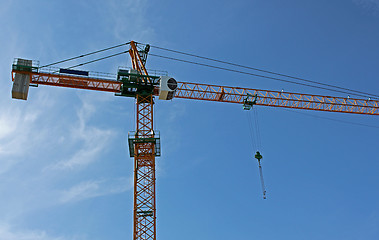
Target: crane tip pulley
x=249, y=101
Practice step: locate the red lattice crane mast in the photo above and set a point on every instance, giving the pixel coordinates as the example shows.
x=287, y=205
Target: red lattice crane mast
x=144, y=142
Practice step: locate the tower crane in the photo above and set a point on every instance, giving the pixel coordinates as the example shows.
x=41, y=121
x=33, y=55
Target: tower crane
x=144, y=142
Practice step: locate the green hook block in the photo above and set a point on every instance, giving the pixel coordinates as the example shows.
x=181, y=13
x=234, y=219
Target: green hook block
x=258, y=156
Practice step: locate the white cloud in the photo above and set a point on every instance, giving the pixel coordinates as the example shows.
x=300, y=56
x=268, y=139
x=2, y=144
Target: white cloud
x=369, y=5
x=97, y=188
x=30, y=134
x=18, y=125
x=7, y=233
x=23, y=129
x=130, y=26
x=8, y=121
x=93, y=141
x=90, y=139
x=34, y=133
x=14, y=129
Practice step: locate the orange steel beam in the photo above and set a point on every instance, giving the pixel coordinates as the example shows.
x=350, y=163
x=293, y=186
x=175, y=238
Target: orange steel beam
x=144, y=173
x=216, y=93
x=137, y=60
x=277, y=99
x=71, y=81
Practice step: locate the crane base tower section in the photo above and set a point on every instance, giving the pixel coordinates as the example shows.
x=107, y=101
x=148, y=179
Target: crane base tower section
x=144, y=142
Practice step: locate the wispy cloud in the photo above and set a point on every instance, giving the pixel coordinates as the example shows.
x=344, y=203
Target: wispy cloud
x=91, y=140
x=371, y=6
x=138, y=28
x=30, y=134
x=14, y=129
x=19, y=123
x=7, y=233
x=96, y=188
x=36, y=136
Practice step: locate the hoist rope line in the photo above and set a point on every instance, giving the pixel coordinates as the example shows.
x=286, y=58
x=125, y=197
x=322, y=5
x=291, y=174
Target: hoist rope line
x=256, y=120
x=262, y=181
x=251, y=131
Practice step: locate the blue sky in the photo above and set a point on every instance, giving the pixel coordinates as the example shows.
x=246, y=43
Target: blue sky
x=65, y=173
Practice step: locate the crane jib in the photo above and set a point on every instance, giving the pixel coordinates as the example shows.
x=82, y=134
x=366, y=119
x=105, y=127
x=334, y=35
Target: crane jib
x=197, y=91
x=238, y=95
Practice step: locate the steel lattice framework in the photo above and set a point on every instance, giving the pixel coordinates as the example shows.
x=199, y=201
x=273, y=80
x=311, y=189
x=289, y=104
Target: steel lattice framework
x=144, y=172
x=72, y=81
x=144, y=157
x=277, y=99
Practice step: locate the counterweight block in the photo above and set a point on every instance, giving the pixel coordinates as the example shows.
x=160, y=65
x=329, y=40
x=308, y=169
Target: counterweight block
x=21, y=79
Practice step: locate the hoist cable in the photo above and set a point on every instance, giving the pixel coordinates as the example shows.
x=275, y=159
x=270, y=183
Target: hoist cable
x=255, y=111
x=256, y=142
x=351, y=91
x=251, y=130
x=255, y=126
x=85, y=55
x=262, y=181
x=256, y=75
